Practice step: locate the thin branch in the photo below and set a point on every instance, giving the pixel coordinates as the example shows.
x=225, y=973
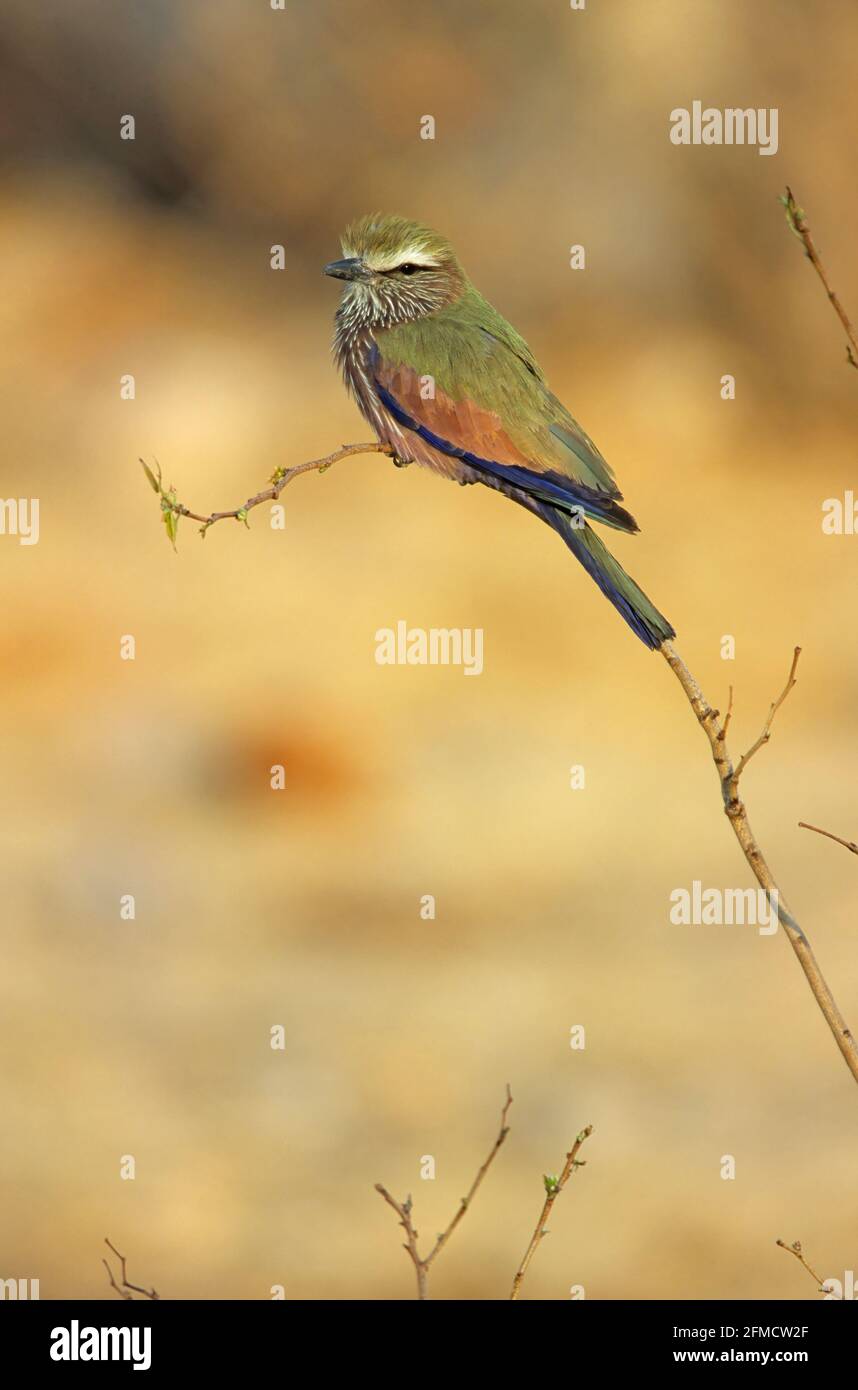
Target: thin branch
x=729, y=714
x=113, y=1284
x=796, y=219
x=737, y=815
x=553, y=1187
x=172, y=509
x=795, y=1249
x=126, y=1286
x=767, y=727
x=847, y=844
x=466, y=1201
x=403, y=1211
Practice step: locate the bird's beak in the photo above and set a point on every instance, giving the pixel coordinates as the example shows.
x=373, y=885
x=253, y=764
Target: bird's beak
x=352, y=268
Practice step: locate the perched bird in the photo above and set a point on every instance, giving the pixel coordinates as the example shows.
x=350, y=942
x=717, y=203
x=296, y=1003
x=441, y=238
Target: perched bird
x=446, y=382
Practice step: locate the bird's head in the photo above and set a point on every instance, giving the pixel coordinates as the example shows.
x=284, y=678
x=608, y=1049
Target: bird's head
x=396, y=270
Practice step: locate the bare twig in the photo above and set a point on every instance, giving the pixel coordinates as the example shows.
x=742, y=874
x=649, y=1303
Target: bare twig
x=796, y=219
x=403, y=1211
x=466, y=1201
x=553, y=1187
x=729, y=715
x=767, y=727
x=172, y=509
x=847, y=844
x=737, y=815
x=125, y=1291
x=795, y=1249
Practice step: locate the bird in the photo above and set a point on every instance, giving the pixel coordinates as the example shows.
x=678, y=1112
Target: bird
x=447, y=383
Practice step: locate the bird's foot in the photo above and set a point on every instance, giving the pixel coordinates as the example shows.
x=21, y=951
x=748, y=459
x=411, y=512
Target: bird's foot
x=391, y=453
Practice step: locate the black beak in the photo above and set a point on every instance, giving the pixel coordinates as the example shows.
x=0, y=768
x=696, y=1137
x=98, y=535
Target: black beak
x=351, y=269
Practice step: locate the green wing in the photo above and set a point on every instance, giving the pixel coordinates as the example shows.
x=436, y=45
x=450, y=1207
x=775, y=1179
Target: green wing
x=479, y=363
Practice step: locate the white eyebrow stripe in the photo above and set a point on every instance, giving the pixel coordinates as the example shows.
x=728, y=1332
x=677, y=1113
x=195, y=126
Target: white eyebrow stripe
x=410, y=255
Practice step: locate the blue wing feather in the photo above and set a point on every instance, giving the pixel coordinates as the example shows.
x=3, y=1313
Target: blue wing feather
x=550, y=487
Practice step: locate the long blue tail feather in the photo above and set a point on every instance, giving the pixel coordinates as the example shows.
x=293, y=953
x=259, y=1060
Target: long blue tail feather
x=629, y=600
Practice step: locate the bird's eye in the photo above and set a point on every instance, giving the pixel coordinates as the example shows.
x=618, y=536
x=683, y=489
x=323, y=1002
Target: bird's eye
x=408, y=268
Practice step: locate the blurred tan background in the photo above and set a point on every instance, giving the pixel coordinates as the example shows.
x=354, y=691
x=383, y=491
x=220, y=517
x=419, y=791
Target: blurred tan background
x=301, y=908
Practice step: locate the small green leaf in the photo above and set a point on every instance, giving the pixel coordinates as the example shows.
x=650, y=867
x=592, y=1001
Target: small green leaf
x=154, y=482
x=793, y=213
x=170, y=515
